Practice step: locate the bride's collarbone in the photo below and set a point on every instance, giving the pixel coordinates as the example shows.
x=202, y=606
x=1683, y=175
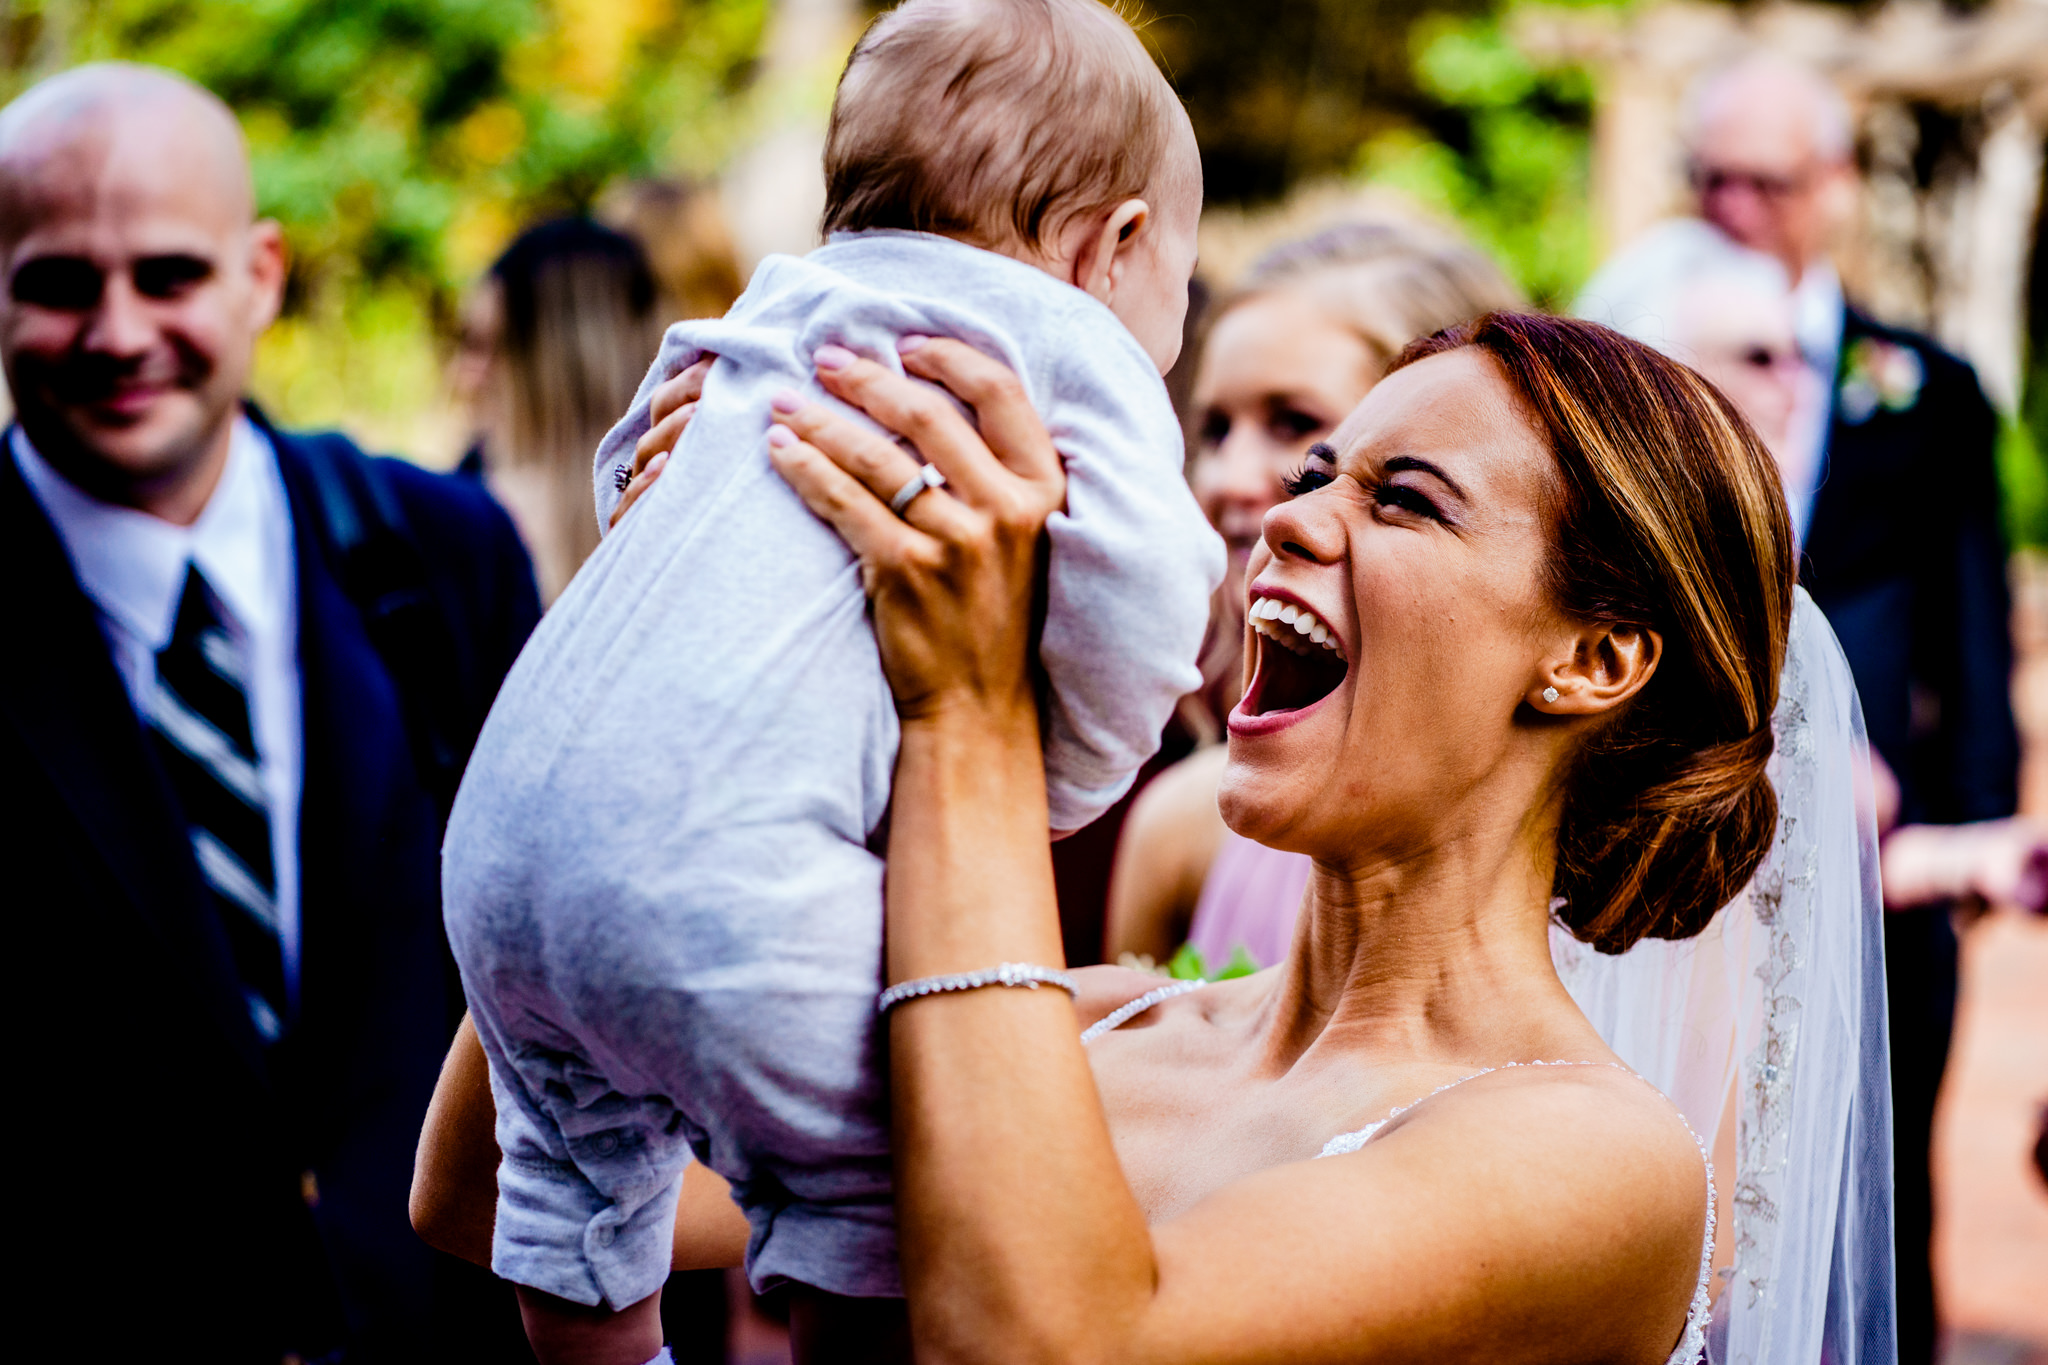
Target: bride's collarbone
x=1194, y=1101
x=1206, y=1058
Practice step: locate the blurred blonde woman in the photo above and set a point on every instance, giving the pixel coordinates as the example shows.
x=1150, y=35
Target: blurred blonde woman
x=555, y=341
x=1287, y=353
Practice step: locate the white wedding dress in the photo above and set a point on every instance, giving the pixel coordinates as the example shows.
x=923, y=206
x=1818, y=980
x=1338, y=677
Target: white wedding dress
x=1772, y=1021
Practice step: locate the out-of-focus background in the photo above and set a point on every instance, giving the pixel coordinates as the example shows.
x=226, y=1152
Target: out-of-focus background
x=404, y=143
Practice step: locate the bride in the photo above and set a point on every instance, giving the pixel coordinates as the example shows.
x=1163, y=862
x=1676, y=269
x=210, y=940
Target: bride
x=1518, y=638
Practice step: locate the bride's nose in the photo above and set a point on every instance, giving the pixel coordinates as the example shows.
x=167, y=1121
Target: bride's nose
x=1299, y=529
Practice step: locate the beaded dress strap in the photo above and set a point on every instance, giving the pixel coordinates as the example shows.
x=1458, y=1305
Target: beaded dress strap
x=1133, y=1008
x=1352, y=1141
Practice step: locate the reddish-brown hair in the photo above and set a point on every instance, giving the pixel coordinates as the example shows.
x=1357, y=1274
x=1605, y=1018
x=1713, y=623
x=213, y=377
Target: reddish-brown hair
x=996, y=121
x=1668, y=515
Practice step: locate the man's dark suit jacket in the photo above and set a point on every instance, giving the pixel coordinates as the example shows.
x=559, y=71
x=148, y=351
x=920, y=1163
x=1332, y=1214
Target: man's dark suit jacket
x=179, y=1191
x=1906, y=558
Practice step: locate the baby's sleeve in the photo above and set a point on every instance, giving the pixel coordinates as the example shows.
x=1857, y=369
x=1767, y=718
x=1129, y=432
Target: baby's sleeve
x=1134, y=564
x=681, y=347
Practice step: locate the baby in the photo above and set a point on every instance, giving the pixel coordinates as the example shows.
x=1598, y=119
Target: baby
x=662, y=879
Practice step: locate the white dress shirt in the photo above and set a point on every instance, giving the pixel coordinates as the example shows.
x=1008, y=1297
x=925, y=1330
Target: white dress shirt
x=132, y=566
x=1817, y=316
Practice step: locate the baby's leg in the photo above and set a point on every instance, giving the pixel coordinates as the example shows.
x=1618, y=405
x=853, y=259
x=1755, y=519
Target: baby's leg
x=590, y=1170
x=829, y=1329
x=561, y=1331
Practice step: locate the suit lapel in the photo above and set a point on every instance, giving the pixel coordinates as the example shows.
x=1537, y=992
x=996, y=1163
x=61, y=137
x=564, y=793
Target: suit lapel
x=357, y=776
x=75, y=717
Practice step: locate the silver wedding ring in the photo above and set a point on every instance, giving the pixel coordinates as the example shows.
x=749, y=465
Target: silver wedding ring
x=927, y=476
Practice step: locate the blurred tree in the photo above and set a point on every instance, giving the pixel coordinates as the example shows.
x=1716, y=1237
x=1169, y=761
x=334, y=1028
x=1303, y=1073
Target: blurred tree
x=1432, y=99
x=403, y=142
x=1287, y=90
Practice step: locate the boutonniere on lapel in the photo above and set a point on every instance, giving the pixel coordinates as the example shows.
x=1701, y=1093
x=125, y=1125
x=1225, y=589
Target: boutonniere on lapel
x=1879, y=374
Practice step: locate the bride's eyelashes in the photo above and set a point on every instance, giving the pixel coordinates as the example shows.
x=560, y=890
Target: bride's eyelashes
x=1408, y=499
x=1306, y=480
x=1394, y=496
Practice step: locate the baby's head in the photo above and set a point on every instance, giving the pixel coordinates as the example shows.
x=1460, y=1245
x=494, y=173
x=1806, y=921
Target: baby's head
x=1036, y=128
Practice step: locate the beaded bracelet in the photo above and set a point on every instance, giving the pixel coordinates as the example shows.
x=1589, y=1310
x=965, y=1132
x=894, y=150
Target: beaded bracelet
x=1022, y=974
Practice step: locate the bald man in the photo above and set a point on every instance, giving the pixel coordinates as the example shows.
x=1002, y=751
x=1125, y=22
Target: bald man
x=1902, y=549
x=244, y=668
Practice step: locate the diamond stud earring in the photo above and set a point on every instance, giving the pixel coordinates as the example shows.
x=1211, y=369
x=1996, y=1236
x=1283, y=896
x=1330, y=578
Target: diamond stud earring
x=1550, y=694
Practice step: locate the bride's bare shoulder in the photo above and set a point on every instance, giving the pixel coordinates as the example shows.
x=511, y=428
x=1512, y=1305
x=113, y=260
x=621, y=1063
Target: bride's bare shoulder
x=1558, y=1213
x=1566, y=1098
x=1598, y=1133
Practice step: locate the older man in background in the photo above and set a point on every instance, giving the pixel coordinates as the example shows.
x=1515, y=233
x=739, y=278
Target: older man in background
x=246, y=668
x=1900, y=528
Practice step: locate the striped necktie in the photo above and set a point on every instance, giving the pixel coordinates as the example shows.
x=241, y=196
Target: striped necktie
x=199, y=715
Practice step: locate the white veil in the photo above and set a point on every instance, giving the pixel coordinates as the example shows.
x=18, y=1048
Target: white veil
x=1768, y=1032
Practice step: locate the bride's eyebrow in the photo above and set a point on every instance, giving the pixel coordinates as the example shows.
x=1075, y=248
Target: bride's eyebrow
x=1321, y=450
x=1402, y=463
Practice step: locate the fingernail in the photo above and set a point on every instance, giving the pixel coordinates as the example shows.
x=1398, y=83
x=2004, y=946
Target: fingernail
x=780, y=436
x=906, y=344
x=832, y=357
x=786, y=400
x=655, y=465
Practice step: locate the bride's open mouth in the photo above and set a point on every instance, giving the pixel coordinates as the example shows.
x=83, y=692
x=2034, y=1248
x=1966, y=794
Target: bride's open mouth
x=1298, y=660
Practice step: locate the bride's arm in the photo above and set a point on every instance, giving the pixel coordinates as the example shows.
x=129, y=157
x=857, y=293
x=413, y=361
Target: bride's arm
x=1021, y=1239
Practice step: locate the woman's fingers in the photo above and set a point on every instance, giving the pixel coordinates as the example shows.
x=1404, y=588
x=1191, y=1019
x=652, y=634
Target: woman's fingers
x=1008, y=423
x=661, y=438
x=672, y=406
x=881, y=466
x=686, y=387
x=642, y=481
x=874, y=533
x=923, y=415
x=670, y=410
x=953, y=579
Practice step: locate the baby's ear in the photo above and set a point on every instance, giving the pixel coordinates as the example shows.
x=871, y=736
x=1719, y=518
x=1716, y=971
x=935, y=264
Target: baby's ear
x=1097, y=258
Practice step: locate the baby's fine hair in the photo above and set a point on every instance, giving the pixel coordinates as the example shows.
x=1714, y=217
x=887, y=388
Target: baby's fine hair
x=998, y=121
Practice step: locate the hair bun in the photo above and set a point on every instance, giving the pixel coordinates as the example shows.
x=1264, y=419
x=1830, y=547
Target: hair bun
x=1657, y=838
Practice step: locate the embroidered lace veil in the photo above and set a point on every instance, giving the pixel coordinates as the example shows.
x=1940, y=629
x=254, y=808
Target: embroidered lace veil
x=1768, y=1032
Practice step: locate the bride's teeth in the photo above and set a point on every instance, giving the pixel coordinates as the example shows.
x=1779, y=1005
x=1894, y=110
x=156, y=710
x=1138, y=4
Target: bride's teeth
x=1320, y=633
x=1305, y=622
x=1289, y=613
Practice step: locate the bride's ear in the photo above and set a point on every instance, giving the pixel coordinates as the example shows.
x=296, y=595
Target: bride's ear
x=1102, y=254
x=1597, y=668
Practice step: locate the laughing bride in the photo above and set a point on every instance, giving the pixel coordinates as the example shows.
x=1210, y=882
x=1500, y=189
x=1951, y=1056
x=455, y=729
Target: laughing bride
x=1517, y=650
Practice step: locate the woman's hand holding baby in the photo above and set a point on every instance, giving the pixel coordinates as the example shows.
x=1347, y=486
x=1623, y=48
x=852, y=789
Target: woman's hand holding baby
x=674, y=403
x=954, y=578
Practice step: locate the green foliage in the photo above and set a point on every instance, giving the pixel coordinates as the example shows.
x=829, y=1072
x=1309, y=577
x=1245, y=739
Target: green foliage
x=1188, y=964
x=2023, y=470
x=2023, y=448
x=402, y=142
x=1505, y=151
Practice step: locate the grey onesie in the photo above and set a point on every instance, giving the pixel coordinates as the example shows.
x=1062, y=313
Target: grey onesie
x=661, y=877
